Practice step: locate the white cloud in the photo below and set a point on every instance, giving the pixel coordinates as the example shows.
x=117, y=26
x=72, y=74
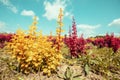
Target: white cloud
x=28, y=13
x=52, y=8
x=4, y=27
x=9, y=5
x=2, y=24
x=115, y=22
x=87, y=30
x=88, y=27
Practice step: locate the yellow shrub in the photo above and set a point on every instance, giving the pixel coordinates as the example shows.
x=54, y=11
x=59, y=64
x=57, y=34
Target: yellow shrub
x=33, y=51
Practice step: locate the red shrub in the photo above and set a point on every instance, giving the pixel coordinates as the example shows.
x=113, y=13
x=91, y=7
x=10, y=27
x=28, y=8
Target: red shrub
x=4, y=37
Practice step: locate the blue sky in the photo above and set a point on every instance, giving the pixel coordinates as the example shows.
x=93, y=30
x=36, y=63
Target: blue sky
x=93, y=17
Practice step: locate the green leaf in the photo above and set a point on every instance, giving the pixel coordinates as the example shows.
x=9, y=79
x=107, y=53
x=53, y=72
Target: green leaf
x=19, y=78
x=108, y=73
x=68, y=73
x=86, y=68
x=77, y=76
x=94, y=62
x=61, y=76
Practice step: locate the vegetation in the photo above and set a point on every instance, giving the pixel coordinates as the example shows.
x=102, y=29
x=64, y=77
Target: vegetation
x=32, y=56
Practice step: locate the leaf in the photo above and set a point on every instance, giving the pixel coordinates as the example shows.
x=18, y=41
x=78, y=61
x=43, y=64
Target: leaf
x=77, y=76
x=86, y=68
x=94, y=62
x=68, y=72
x=45, y=70
x=61, y=75
x=19, y=78
x=108, y=73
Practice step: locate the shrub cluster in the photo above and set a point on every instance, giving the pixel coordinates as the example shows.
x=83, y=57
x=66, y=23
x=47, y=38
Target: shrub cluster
x=33, y=52
x=109, y=41
x=4, y=37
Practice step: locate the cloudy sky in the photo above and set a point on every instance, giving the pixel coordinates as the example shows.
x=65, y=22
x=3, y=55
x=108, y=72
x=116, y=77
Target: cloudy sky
x=93, y=17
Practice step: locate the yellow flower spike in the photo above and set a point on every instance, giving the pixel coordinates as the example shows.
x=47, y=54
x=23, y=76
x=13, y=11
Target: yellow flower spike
x=61, y=14
x=59, y=31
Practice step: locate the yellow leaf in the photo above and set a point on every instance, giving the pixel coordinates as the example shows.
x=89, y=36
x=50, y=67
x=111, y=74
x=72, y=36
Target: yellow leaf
x=26, y=65
x=45, y=70
x=36, y=64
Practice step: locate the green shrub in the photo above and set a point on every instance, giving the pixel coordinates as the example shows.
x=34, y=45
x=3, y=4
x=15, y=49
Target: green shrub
x=102, y=61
